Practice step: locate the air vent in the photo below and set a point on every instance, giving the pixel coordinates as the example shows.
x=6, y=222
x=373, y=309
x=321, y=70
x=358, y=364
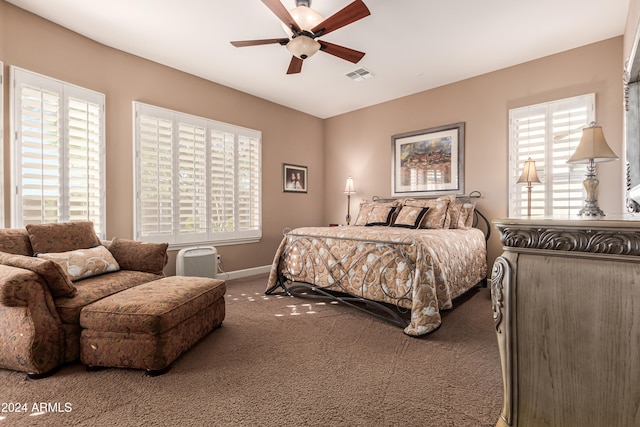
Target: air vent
x=360, y=74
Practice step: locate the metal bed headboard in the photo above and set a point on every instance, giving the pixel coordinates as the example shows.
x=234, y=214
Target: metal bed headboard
x=479, y=220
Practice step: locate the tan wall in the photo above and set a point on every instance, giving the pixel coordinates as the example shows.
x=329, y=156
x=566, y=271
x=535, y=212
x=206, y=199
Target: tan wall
x=30, y=42
x=359, y=143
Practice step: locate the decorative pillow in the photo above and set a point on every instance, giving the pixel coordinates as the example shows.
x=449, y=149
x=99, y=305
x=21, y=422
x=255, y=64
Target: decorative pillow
x=410, y=217
x=461, y=215
x=452, y=201
x=59, y=283
x=83, y=263
x=469, y=208
x=381, y=215
x=140, y=256
x=62, y=236
x=437, y=213
x=382, y=211
x=455, y=216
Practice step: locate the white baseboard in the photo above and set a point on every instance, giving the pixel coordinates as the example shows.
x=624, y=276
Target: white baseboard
x=238, y=274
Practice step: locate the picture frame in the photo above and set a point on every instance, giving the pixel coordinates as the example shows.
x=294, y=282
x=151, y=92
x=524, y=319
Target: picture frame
x=428, y=162
x=294, y=178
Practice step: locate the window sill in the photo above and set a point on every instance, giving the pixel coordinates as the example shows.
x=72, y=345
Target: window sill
x=230, y=242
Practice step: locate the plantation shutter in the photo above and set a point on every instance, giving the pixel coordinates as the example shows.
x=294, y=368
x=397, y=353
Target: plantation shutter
x=59, y=151
x=222, y=182
x=206, y=184
x=192, y=176
x=155, y=176
x=248, y=183
x=548, y=134
x=40, y=154
x=85, y=156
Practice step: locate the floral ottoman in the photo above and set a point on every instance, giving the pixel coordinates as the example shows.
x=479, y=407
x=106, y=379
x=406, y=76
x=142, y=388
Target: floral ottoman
x=150, y=325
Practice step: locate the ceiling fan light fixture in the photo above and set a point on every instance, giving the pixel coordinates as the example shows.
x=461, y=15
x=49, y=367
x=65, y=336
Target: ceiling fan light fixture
x=305, y=17
x=303, y=47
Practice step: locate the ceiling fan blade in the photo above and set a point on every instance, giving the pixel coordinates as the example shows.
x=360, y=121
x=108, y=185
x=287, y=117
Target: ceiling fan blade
x=244, y=43
x=282, y=13
x=342, y=52
x=349, y=14
x=295, y=66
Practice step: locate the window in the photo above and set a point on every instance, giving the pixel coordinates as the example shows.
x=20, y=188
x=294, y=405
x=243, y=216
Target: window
x=549, y=133
x=197, y=180
x=58, y=152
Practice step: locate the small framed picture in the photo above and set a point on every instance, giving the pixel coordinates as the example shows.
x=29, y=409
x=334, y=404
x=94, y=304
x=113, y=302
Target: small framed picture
x=294, y=178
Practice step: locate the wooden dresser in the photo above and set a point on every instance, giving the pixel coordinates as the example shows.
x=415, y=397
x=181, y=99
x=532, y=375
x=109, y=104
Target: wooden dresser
x=566, y=305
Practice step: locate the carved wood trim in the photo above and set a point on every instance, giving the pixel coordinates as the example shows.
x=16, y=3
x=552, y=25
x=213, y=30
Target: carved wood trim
x=626, y=79
x=501, y=303
x=609, y=241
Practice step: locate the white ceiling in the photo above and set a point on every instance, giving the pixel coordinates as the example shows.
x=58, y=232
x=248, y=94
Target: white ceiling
x=410, y=45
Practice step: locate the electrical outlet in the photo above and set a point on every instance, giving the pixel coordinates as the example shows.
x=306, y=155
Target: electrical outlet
x=218, y=255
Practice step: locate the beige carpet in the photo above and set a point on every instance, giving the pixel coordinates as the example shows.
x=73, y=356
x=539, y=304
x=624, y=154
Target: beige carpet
x=283, y=361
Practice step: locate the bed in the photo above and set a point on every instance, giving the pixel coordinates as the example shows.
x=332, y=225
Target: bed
x=403, y=260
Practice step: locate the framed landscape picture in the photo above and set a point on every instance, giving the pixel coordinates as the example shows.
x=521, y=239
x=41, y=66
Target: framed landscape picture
x=294, y=178
x=428, y=162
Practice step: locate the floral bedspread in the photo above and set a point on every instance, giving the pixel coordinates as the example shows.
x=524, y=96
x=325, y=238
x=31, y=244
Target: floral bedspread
x=420, y=270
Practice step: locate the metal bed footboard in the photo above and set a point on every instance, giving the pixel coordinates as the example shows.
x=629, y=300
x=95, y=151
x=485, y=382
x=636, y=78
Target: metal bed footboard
x=308, y=256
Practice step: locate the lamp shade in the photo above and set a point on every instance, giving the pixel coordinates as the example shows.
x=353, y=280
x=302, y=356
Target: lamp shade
x=349, y=188
x=529, y=173
x=592, y=146
x=305, y=17
x=303, y=47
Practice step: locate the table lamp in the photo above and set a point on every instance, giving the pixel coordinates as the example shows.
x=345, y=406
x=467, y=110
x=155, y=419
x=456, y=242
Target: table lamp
x=349, y=189
x=592, y=149
x=529, y=176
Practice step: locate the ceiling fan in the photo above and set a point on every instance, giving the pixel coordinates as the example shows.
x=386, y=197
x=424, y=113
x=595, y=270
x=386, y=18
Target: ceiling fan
x=304, y=25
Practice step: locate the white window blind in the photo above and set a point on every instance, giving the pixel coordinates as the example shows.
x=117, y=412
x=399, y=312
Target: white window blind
x=58, y=152
x=192, y=181
x=548, y=133
x=248, y=182
x=222, y=181
x=197, y=180
x=155, y=176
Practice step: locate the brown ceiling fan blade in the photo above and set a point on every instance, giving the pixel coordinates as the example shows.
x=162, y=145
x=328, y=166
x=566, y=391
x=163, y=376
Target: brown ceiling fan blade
x=295, y=66
x=349, y=14
x=282, y=13
x=244, y=43
x=342, y=52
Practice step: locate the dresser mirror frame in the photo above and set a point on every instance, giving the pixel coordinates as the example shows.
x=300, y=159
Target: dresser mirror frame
x=631, y=79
